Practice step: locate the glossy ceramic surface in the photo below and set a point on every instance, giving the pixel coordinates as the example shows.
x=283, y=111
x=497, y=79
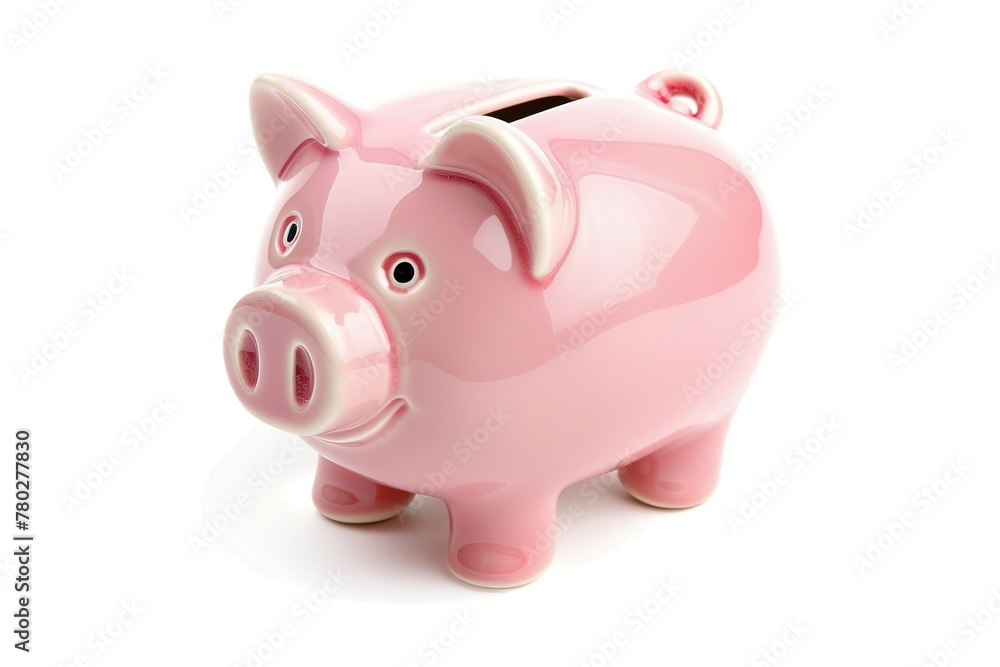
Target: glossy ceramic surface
x=488, y=310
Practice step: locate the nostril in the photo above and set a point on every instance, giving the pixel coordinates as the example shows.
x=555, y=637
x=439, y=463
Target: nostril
x=303, y=381
x=248, y=360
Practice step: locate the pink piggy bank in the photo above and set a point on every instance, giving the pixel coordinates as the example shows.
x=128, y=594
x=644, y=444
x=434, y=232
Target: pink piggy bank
x=490, y=292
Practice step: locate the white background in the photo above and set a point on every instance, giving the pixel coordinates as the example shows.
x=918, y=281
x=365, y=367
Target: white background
x=855, y=298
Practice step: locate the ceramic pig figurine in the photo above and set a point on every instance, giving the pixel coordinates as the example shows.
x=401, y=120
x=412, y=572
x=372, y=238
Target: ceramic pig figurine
x=490, y=292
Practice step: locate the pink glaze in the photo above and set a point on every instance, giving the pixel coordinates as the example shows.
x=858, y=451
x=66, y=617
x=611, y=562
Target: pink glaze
x=574, y=296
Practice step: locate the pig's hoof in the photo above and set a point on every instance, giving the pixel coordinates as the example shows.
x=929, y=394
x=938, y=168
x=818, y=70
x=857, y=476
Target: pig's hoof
x=666, y=494
x=345, y=496
x=495, y=565
x=682, y=473
x=341, y=505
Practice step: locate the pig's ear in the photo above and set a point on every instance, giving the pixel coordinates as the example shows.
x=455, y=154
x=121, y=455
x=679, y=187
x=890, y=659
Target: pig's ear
x=285, y=113
x=504, y=159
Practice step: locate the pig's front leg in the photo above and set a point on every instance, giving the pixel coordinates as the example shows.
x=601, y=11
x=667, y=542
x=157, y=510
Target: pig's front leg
x=345, y=496
x=501, y=538
x=682, y=473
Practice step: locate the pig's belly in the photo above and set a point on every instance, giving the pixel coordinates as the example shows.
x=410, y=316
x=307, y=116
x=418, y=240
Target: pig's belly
x=615, y=397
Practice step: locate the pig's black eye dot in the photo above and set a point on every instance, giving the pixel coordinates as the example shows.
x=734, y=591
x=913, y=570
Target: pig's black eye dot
x=404, y=272
x=288, y=234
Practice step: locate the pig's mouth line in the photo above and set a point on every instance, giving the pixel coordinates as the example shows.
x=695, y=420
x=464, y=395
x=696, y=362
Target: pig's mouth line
x=366, y=430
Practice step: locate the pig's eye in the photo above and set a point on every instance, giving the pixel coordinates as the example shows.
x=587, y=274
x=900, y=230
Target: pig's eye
x=289, y=233
x=403, y=272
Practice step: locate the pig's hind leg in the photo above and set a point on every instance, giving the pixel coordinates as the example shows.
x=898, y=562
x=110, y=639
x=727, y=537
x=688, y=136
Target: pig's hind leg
x=682, y=472
x=342, y=495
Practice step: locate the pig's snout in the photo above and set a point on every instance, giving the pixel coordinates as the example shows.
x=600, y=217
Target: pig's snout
x=309, y=355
